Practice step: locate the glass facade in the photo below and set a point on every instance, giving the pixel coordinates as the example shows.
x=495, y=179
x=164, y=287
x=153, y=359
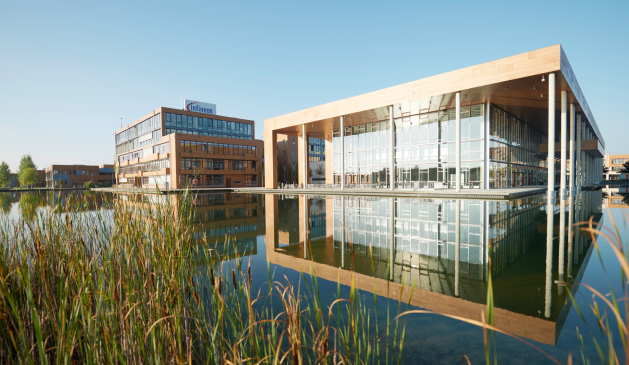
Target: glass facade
x=514, y=152
x=366, y=154
x=177, y=123
x=425, y=150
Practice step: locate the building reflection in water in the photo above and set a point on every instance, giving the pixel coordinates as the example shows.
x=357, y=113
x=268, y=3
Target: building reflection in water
x=443, y=246
x=216, y=216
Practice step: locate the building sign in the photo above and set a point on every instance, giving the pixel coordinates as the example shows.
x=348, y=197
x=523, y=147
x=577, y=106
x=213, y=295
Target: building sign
x=197, y=106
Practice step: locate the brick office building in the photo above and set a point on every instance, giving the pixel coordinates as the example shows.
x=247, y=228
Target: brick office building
x=288, y=157
x=615, y=164
x=74, y=176
x=172, y=148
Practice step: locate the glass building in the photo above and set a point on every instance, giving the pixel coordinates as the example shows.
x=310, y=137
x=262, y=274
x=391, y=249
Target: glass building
x=482, y=127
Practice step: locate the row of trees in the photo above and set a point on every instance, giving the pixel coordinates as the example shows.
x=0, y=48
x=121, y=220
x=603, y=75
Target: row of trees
x=26, y=173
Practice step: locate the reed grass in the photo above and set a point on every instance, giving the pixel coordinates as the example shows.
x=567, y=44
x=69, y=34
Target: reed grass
x=130, y=284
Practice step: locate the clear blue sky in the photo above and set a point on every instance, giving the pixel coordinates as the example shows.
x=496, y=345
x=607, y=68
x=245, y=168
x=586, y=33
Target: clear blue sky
x=69, y=71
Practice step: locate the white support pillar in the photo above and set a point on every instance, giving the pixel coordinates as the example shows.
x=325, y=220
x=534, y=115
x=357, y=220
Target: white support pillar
x=342, y=152
x=458, y=141
x=572, y=176
x=304, y=156
x=551, y=141
x=392, y=148
x=578, y=155
x=571, y=235
x=564, y=140
x=486, y=144
x=457, y=247
x=583, y=157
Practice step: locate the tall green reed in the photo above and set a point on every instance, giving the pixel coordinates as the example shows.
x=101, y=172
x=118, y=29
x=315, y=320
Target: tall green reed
x=131, y=284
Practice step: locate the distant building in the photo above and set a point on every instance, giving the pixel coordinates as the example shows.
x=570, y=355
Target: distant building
x=172, y=148
x=615, y=164
x=41, y=181
x=74, y=176
x=288, y=155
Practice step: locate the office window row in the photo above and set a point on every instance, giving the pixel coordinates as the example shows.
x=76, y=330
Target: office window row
x=202, y=180
x=160, y=148
x=317, y=149
x=146, y=126
x=215, y=180
x=208, y=124
x=207, y=134
x=74, y=172
x=214, y=164
x=218, y=148
x=619, y=160
x=315, y=141
x=145, y=167
x=139, y=142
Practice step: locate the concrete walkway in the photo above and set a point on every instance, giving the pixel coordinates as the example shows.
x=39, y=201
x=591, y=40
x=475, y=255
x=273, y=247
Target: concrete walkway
x=485, y=194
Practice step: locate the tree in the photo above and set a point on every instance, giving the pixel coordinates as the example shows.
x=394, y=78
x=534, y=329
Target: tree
x=28, y=176
x=280, y=173
x=625, y=168
x=320, y=170
x=5, y=174
x=27, y=172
